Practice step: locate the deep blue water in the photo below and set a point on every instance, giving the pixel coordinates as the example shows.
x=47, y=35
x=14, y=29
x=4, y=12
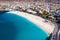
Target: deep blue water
x=15, y=27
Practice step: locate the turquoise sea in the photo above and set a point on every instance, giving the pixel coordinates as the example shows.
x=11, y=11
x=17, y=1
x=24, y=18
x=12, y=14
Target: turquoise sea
x=15, y=27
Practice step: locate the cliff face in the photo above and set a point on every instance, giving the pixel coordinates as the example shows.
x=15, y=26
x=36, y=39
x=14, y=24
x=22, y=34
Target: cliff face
x=16, y=0
x=33, y=0
x=20, y=0
x=53, y=1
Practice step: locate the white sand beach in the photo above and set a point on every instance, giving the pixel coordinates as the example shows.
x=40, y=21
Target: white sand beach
x=40, y=22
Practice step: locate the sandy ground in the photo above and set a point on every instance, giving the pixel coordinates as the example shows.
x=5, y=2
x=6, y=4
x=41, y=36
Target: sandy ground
x=40, y=22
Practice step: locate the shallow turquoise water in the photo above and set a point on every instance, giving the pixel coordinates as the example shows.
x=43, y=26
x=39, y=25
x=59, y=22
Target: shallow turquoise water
x=14, y=27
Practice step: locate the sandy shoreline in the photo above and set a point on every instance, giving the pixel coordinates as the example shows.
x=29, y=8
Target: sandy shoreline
x=40, y=22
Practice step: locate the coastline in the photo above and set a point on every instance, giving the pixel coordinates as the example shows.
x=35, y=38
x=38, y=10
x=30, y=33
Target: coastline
x=48, y=27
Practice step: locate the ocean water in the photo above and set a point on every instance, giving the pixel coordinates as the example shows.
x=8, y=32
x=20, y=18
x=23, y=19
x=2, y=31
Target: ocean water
x=15, y=27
